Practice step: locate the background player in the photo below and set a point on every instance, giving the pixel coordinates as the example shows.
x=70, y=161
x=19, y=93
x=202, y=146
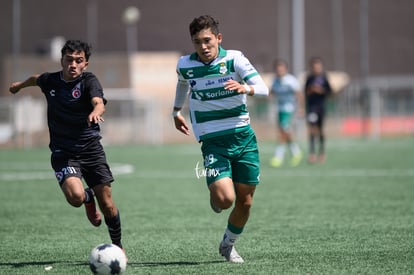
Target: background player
x=317, y=88
x=75, y=107
x=288, y=99
x=219, y=81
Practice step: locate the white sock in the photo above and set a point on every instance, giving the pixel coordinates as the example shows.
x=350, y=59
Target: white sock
x=280, y=151
x=230, y=237
x=294, y=149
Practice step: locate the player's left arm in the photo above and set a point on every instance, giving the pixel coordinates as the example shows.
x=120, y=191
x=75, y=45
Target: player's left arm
x=98, y=110
x=254, y=84
x=181, y=93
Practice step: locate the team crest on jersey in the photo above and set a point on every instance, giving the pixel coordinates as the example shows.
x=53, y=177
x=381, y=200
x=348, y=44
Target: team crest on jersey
x=59, y=176
x=223, y=68
x=76, y=92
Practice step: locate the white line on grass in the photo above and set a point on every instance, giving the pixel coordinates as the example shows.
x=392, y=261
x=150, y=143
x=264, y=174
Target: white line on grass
x=347, y=173
x=168, y=174
x=128, y=169
x=18, y=174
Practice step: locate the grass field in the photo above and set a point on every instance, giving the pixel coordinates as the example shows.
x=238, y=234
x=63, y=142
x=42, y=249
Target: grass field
x=352, y=215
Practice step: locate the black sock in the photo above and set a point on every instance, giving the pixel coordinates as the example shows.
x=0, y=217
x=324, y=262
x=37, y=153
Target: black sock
x=88, y=195
x=114, y=229
x=312, y=144
x=321, y=144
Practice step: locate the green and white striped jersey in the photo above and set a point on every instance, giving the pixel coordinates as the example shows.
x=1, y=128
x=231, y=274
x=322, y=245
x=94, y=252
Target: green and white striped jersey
x=215, y=111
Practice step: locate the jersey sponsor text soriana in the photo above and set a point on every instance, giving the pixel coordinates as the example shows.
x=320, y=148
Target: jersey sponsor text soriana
x=215, y=111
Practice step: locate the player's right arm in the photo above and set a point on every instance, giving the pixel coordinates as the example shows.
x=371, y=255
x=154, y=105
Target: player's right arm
x=180, y=96
x=15, y=87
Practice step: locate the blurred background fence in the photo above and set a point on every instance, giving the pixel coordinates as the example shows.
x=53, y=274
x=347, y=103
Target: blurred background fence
x=374, y=108
x=136, y=45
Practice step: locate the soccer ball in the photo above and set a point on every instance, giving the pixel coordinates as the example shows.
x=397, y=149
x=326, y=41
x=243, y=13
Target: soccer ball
x=107, y=259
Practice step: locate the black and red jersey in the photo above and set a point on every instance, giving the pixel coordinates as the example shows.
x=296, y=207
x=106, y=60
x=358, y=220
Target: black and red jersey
x=68, y=107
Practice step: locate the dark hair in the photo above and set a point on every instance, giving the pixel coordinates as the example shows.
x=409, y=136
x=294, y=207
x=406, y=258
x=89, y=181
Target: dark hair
x=77, y=46
x=315, y=59
x=278, y=62
x=204, y=22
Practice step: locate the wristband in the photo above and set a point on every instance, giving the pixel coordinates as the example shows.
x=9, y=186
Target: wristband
x=247, y=88
x=176, y=113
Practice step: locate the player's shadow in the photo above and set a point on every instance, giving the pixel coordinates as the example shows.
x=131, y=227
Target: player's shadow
x=19, y=265
x=178, y=263
x=41, y=263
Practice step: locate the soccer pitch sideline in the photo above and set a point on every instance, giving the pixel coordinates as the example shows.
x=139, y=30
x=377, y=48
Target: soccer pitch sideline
x=352, y=215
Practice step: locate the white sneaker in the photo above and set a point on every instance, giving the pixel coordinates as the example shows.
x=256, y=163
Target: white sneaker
x=230, y=253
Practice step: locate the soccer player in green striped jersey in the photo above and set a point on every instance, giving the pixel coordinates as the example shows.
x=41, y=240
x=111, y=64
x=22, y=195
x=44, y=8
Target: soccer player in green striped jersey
x=217, y=82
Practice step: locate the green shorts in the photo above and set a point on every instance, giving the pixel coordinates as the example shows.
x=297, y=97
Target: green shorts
x=285, y=120
x=235, y=156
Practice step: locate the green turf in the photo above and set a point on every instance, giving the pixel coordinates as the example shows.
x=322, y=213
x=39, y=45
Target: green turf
x=352, y=215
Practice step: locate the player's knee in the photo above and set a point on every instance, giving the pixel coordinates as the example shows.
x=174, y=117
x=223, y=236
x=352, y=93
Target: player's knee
x=107, y=206
x=108, y=209
x=225, y=202
x=76, y=200
x=244, y=206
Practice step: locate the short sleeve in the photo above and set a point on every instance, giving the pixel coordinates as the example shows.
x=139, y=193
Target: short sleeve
x=92, y=86
x=42, y=81
x=243, y=66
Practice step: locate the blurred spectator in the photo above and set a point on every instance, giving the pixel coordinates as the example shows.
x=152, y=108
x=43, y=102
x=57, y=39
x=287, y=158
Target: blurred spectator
x=317, y=88
x=288, y=99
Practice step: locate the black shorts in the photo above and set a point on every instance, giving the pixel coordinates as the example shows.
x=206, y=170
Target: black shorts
x=315, y=116
x=91, y=166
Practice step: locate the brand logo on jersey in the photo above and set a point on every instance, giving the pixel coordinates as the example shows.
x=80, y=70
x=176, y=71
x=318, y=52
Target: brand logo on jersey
x=210, y=82
x=190, y=73
x=212, y=95
x=192, y=83
x=76, y=92
x=198, y=95
x=52, y=93
x=223, y=68
x=224, y=79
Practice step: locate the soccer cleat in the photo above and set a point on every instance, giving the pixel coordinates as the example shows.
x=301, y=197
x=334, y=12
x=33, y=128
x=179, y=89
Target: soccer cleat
x=321, y=158
x=312, y=159
x=276, y=162
x=215, y=208
x=123, y=249
x=126, y=257
x=296, y=160
x=230, y=253
x=91, y=212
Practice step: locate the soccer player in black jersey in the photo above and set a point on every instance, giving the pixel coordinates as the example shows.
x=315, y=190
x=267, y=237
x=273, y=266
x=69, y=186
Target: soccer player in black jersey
x=317, y=88
x=75, y=105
